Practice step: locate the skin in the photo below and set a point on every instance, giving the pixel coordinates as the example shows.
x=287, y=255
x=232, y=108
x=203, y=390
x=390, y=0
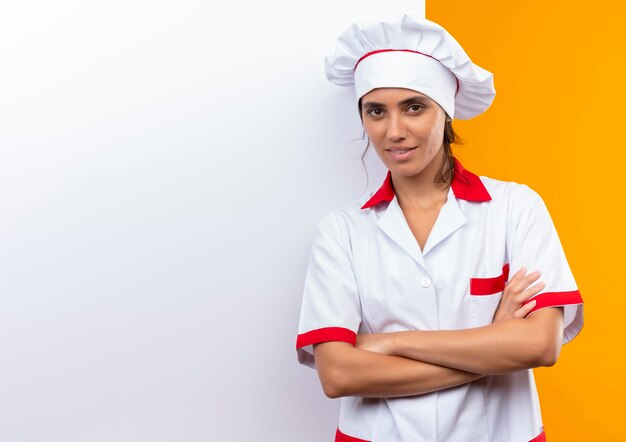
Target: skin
x=390, y=121
x=417, y=362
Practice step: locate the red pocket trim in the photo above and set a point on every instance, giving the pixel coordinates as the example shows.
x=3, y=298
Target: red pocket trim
x=489, y=286
x=340, y=437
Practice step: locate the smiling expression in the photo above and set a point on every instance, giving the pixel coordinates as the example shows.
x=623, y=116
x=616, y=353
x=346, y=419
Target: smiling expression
x=406, y=128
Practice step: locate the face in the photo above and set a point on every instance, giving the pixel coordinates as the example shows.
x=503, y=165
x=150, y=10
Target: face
x=406, y=128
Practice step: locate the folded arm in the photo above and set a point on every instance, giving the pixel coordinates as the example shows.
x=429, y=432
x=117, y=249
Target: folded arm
x=417, y=362
x=502, y=347
x=345, y=370
x=514, y=341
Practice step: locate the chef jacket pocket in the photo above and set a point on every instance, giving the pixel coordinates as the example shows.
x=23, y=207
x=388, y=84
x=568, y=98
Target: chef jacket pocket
x=489, y=286
x=485, y=295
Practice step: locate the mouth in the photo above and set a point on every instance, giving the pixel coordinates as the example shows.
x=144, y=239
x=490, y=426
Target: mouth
x=400, y=153
x=400, y=150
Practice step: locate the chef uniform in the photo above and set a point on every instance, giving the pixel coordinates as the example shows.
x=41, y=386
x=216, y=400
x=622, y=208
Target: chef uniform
x=367, y=273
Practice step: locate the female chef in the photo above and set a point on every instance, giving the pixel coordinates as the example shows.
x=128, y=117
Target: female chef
x=408, y=313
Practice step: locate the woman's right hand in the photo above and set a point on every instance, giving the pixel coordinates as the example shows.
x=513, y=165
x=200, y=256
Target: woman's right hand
x=516, y=291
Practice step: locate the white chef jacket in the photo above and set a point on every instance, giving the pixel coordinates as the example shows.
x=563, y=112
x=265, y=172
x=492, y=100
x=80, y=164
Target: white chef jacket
x=367, y=274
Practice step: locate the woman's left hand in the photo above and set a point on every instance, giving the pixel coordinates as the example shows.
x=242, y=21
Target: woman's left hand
x=375, y=342
x=517, y=291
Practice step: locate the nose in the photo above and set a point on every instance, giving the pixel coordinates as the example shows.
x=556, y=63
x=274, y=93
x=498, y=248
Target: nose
x=396, y=128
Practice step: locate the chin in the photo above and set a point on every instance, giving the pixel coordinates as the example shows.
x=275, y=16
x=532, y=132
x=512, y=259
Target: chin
x=408, y=169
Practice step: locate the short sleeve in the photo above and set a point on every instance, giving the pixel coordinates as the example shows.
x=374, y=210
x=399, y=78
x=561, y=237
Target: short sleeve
x=535, y=244
x=331, y=309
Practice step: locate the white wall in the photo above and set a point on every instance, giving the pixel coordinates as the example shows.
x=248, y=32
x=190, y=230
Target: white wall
x=162, y=167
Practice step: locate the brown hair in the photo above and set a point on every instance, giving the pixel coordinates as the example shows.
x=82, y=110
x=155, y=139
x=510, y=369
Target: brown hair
x=450, y=137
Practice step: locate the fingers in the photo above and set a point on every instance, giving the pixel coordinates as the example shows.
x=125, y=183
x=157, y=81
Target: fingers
x=521, y=281
x=519, y=274
x=525, y=309
x=529, y=292
x=516, y=279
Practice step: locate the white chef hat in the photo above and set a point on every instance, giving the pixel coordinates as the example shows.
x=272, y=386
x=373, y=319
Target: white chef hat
x=414, y=53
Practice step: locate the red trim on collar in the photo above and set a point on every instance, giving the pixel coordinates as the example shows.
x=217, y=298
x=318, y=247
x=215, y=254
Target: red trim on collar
x=465, y=185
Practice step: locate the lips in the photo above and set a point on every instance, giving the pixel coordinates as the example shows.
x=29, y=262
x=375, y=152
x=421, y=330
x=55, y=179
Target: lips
x=400, y=149
x=400, y=153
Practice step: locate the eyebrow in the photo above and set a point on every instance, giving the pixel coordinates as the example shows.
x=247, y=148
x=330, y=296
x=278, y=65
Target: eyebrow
x=419, y=98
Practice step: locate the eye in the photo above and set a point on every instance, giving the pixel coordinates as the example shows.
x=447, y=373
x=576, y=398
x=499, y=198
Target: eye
x=416, y=107
x=375, y=112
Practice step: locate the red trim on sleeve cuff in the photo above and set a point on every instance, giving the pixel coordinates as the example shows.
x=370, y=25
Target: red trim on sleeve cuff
x=555, y=299
x=540, y=438
x=326, y=334
x=340, y=437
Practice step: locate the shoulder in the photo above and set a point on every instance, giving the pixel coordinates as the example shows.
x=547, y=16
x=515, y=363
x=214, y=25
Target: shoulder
x=348, y=216
x=344, y=223
x=517, y=196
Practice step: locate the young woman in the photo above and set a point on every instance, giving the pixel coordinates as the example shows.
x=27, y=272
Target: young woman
x=408, y=313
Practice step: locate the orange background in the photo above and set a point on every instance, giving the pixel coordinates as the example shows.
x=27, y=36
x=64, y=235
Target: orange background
x=556, y=125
